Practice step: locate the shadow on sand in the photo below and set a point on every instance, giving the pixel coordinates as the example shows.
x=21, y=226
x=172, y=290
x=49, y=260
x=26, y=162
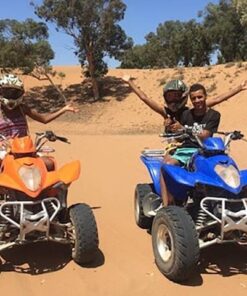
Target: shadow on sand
x=40, y=258
x=226, y=260
x=46, y=99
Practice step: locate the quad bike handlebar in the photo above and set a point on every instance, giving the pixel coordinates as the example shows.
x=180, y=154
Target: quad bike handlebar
x=42, y=138
x=194, y=131
x=51, y=136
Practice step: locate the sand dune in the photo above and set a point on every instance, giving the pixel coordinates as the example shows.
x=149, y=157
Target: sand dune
x=107, y=138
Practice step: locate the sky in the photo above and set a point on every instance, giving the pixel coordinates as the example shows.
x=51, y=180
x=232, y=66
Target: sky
x=141, y=18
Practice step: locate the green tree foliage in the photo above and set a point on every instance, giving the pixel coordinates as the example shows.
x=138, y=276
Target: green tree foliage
x=24, y=45
x=228, y=34
x=191, y=43
x=174, y=43
x=94, y=26
x=241, y=7
x=168, y=39
x=195, y=46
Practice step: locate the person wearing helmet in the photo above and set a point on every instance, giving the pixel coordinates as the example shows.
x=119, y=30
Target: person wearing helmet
x=202, y=119
x=175, y=94
x=13, y=111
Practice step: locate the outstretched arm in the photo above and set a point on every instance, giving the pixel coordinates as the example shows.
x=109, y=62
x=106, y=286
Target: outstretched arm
x=228, y=95
x=149, y=102
x=48, y=117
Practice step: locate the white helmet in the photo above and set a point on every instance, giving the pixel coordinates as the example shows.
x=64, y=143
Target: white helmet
x=11, y=80
x=12, y=89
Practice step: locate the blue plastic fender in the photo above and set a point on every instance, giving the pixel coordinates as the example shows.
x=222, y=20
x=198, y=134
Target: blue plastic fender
x=153, y=165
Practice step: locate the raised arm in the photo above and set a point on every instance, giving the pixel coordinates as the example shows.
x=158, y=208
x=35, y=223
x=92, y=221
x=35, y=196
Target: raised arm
x=48, y=117
x=214, y=101
x=149, y=102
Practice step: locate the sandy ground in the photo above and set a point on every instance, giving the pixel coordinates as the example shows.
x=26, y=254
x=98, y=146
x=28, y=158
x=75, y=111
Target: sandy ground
x=108, y=141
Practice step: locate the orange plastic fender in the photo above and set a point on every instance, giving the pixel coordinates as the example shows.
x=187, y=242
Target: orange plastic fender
x=7, y=181
x=69, y=172
x=10, y=178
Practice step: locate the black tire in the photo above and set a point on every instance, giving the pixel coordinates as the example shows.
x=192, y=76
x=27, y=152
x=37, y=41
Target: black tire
x=141, y=220
x=175, y=243
x=86, y=234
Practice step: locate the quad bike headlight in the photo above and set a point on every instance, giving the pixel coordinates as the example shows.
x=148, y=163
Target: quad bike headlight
x=31, y=177
x=229, y=174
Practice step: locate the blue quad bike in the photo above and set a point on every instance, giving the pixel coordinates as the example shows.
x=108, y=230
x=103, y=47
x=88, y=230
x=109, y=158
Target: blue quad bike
x=210, y=204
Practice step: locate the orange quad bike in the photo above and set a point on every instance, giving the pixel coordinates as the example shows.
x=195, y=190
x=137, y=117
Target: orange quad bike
x=33, y=199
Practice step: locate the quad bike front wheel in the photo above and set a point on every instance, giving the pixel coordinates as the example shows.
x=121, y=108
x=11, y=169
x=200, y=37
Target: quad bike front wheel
x=175, y=243
x=85, y=234
x=140, y=192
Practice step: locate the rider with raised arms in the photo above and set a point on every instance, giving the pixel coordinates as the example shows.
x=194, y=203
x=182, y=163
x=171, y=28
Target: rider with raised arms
x=13, y=111
x=175, y=94
x=207, y=121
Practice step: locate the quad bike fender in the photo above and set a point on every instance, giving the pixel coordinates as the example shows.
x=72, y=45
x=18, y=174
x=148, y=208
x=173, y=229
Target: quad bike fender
x=7, y=181
x=69, y=172
x=243, y=176
x=179, y=180
x=153, y=165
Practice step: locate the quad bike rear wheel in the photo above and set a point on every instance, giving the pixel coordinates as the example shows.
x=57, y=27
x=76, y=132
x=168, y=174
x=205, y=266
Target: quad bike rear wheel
x=175, y=243
x=140, y=192
x=85, y=234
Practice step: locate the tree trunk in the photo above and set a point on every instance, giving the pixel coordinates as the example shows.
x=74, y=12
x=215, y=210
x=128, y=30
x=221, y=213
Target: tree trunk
x=95, y=88
x=57, y=88
x=91, y=69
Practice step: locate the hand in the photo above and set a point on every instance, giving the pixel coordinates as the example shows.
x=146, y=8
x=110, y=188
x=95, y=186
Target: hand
x=70, y=108
x=126, y=78
x=167, y=121
x=174, y=127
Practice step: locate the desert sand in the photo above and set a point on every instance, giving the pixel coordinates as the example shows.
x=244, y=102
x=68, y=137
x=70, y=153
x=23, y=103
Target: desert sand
x=107, y=137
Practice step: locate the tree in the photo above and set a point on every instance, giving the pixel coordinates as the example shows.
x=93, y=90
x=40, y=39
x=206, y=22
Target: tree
x=174, y=43
x=223, y=24
x=94, y=28
x=241, y=7
x=24, y=46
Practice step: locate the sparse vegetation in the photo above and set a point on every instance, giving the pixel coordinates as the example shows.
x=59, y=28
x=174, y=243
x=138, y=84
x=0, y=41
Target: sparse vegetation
x=239, y=65
x=229, y=65
x=211, y=88
x=163, y=80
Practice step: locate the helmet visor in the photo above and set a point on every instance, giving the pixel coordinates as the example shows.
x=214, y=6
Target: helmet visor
x=173, y=96
x=175, y=100
x=11, y=93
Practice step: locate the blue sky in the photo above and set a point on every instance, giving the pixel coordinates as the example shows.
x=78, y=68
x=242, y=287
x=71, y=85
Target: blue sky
x=141, y=18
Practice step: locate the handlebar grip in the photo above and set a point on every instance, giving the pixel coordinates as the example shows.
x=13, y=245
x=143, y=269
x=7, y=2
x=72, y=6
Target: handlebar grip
x=237, y=135
x=63, y=139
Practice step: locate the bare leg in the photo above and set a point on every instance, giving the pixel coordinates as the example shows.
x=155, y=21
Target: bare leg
x=164, y=192
x=166, y=196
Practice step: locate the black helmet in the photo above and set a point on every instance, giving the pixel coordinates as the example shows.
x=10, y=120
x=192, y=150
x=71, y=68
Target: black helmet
x=177, y=85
